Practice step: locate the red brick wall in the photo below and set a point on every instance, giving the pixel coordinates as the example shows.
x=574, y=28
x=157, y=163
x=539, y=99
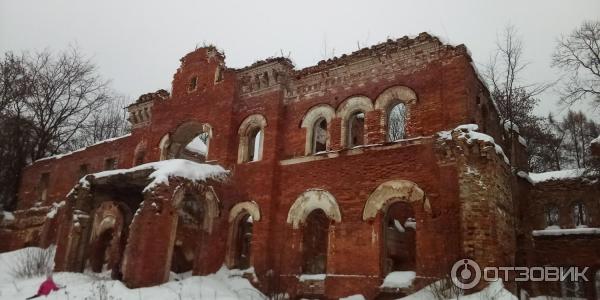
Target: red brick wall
x=446, y=88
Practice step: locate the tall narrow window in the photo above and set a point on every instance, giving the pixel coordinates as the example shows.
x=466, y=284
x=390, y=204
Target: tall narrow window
x=399, y=247
x=319, y=136
x=356, y=129
x=193, y=83
x=579, y=215
x=254, y=144
x=243, y=239
x=396, y=122
x=552, y=216
x=43, y=186
x=315, y=242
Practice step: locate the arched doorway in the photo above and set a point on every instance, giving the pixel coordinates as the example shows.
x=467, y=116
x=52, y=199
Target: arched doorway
x=100, y=252
x=315, y=240
x=398, y=241
x=188, y=235
x=242, y=240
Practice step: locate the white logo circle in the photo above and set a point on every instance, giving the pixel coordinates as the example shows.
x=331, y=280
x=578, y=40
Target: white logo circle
x=466, y=274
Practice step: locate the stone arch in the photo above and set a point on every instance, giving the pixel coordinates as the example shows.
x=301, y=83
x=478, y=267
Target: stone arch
x=391, y=97
x=394, y=191
x=310, y=200
x=321, y=111
x=163, y=146
x=209, y=200
x=249, y=126
x=184, y=134
x=347, y=109
x=239, y=242
x=393, y=94
x=105, y=237
x=249, y=206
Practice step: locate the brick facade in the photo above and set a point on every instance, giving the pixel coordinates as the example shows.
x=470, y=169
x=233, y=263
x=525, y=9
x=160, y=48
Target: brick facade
x=470, y=204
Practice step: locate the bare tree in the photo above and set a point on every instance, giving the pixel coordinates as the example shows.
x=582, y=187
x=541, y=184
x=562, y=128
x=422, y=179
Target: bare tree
x=107, y=122
x=46, y=101
x=578, y=55
x=66, y=90
x=514, y=98
x=578, y=132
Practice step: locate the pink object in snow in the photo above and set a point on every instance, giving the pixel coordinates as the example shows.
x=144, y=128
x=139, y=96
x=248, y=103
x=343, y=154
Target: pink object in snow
x=46, y=287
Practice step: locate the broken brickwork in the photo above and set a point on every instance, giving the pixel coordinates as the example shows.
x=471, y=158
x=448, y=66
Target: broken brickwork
x=258, y=122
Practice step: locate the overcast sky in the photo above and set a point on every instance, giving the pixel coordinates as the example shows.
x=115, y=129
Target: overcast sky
x=137, y=44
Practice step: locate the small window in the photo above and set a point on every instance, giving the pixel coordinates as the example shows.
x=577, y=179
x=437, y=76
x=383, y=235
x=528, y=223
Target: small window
x=356, y=129
x=110, y=163
x=254, y=144
x=319, y=136
x=396, y=122
x=579, y=215
x=219, y=74
x=83, y=170
x=552, y=216
x=43, y=186
x=193, y=84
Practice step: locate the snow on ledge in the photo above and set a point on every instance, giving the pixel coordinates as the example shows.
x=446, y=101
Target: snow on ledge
x=469, y=133
x=554, y=175
x=312, y=277
x=566, y=231
x=168, y=168
x=8, y=216
x=57, y=156
x=399, y=279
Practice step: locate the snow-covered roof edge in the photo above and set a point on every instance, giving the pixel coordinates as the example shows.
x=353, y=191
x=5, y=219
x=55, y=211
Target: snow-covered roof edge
x=168, y=168
x=57, y=156
x=535, y=178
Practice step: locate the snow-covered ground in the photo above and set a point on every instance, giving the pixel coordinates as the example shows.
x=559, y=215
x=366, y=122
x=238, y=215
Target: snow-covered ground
x=225, y=284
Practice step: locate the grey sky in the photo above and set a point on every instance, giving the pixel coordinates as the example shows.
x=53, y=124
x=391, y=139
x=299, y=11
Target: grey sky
x=137, y=44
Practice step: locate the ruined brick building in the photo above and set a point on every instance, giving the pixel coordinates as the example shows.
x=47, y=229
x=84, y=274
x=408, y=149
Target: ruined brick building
x=304, y=172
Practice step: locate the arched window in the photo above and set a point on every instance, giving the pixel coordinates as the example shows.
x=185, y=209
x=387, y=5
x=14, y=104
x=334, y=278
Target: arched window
x=579, y=214
x=399, y=245
x=193, y=84
x=396, y=122
x=197, y=148
x=356, y=129
x=315, y=241
x=251, y=134
x=191, y=140
x=254, y=144
x=319, y=136
x=242, y=241
x=552, y=216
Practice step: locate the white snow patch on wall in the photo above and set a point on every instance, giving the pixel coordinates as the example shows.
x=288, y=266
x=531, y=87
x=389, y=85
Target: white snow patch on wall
x=8, y=216
x=309, y=277
x=354, y=297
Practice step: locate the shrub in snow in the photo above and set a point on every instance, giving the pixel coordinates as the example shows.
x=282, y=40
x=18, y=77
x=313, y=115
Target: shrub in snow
x=32, y=262
x=99, y=291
